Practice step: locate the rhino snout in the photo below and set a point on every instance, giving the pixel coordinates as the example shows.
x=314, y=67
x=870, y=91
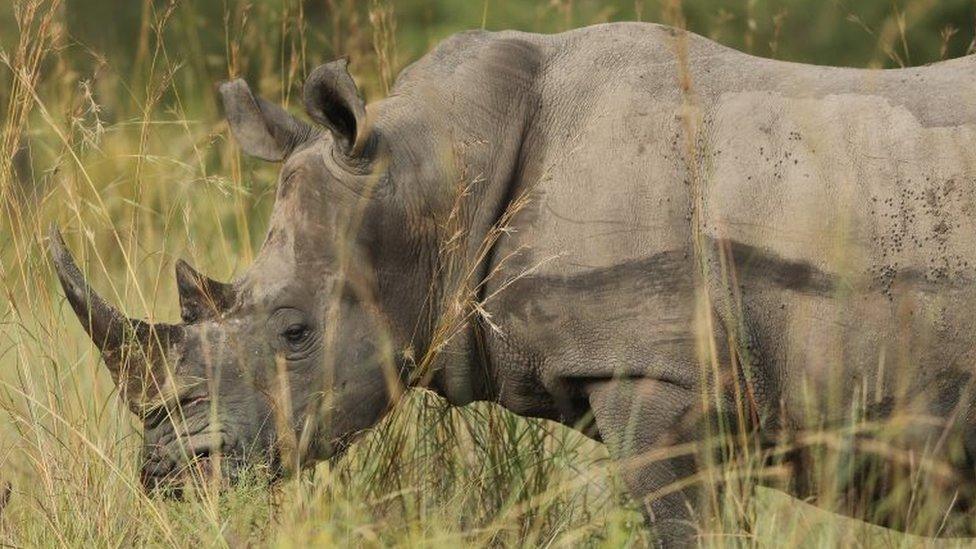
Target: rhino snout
x=199, y=458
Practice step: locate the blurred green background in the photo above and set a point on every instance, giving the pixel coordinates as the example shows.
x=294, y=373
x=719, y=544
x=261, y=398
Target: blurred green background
x=835, y=32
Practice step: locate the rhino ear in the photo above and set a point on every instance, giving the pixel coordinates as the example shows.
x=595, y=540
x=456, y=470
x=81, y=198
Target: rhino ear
x=333, y=100
x=262, y=128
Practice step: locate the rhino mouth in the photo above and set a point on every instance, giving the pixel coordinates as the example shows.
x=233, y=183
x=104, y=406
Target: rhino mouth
x=208, y=470
x=204, y=458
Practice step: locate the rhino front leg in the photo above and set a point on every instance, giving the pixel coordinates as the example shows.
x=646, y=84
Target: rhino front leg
x=639, y=420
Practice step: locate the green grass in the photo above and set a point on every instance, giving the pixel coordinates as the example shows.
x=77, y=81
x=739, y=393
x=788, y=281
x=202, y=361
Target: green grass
x=129, y=155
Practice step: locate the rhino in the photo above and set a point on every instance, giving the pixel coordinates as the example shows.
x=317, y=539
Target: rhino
x=598, y=228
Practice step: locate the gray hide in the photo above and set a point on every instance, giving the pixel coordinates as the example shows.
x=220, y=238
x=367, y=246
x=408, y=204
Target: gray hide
x=663, y=195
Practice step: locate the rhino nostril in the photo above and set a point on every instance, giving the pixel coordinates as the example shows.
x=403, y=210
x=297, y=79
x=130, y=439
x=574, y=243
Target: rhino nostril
x=161, y=478
x=190, y=402
x=196, y=446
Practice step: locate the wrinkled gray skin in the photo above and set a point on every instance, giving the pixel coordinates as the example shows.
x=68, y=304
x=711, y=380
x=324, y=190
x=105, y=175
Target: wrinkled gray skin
x=843, y=201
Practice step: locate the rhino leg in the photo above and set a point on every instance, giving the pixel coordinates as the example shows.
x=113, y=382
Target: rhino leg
x=640, y=420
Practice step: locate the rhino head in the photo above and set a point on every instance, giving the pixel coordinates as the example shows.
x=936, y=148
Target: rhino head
x=285, y=364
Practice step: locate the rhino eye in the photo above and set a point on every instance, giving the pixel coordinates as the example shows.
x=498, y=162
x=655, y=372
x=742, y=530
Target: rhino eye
x=292, y=332
x=296, y=334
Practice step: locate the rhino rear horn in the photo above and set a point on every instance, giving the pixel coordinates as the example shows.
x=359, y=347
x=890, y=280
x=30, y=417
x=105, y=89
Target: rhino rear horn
x=201, y=298
x=130, y=348
x=262, y=129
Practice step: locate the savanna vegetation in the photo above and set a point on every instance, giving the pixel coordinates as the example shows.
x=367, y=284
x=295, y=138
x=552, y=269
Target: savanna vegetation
x=110, y=127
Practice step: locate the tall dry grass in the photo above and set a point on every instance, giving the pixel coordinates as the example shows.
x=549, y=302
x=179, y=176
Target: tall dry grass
x=133, y=161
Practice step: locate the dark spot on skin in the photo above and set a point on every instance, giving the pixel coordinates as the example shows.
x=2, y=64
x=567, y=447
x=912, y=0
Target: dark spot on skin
x=671, y=272
x=764, y=265
x=663, y=271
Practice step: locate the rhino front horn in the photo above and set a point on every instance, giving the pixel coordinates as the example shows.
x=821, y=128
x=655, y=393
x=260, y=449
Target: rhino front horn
x=129, y=347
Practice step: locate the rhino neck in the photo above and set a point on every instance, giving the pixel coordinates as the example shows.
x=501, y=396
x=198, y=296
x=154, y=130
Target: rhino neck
x=485, y=117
